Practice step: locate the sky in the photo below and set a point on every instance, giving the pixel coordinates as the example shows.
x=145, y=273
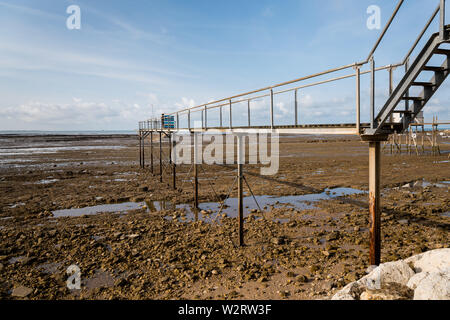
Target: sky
x=132, y=60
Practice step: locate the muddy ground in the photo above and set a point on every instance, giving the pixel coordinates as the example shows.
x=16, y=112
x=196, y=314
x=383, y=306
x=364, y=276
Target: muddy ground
x=151, y=245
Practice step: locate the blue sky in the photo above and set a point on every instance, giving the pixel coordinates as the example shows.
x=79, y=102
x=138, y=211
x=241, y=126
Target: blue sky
x=130, y=55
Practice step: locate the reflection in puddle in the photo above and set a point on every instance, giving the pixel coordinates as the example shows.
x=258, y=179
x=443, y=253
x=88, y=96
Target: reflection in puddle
x=120, y=207
x=208, y=211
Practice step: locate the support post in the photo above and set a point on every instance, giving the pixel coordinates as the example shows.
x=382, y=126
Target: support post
x=151, y=151
x=358, y=99
x=271, y=108
x=240, y=191
x=442, y=20
x=372, y=94
x=296, y=107
x=140, y=150
x=160, y=157
x=391, y=89
x=407, y=92
x=195, y=171
x=231, y=116
x=143, y=152
x=174, y=164
x=374, y=202
x=221, y=122
x=248, y=112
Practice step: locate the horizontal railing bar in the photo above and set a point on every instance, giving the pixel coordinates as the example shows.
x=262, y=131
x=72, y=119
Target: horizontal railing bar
x=291, y=89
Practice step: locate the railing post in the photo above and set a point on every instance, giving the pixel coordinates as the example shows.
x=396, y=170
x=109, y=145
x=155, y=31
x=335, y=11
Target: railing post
x=358, y=99
x=189, y=120
x=442, y=20
x=372, y=94
x=206, y=118
x=391, y=89
x=296, y=107
x=248, y=112
x=231, y=116
x=221, y=123
x=178, y=122
x=203, y=123
x=271, y=108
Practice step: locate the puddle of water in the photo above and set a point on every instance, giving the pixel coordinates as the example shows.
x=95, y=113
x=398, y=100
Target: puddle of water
x=423, y=184
x=45, y=150
x=303, y=202
x=105, y=208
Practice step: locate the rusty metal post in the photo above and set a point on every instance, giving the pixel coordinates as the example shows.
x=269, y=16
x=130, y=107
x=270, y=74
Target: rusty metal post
x=174, y=166
x=160, y=157
x=240, y=159
x=374, y=201
x=140, y=150
x=151, y=150
x=143, y=152
x=195, y=171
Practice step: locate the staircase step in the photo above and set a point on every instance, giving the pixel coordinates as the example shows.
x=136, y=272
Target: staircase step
x=403, y=111
x=435, y=69
x=442, y=51
x=423, y=84
x=413, y=98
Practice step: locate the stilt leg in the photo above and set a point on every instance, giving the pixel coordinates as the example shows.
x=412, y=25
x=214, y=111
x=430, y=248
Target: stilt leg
x=160, y=157
x=374, y=202
x=240, y=193
x=195, y=171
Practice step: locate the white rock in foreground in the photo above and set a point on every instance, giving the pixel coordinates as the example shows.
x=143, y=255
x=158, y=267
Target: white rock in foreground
x=426, y=274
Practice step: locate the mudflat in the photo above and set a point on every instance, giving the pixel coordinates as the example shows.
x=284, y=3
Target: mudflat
x=82, y=200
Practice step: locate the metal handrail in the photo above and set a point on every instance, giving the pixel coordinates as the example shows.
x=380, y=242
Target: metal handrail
x=357, y=65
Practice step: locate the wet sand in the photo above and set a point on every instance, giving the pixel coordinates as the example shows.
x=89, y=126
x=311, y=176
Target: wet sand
x=140, y=239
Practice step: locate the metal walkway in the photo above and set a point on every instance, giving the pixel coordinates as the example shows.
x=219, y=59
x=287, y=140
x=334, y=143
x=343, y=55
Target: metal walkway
x=397, y=114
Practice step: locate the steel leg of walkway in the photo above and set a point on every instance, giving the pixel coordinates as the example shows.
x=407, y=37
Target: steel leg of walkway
x=374, y=202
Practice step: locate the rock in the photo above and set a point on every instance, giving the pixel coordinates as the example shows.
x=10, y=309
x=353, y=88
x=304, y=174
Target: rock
x=434, y=286
x=21, y=292
x=403, y=221
x=431, y=261
x=391, y=291
x=397, y=280
x=398, y=272
x=278, y=241
x=301, y=279
x=416, y=279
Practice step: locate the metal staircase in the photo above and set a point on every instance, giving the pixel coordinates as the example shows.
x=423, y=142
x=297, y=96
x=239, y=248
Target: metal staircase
x=383, y=121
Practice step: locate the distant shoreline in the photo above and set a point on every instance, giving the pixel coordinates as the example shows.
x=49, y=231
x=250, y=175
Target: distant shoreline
x=67, y=133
